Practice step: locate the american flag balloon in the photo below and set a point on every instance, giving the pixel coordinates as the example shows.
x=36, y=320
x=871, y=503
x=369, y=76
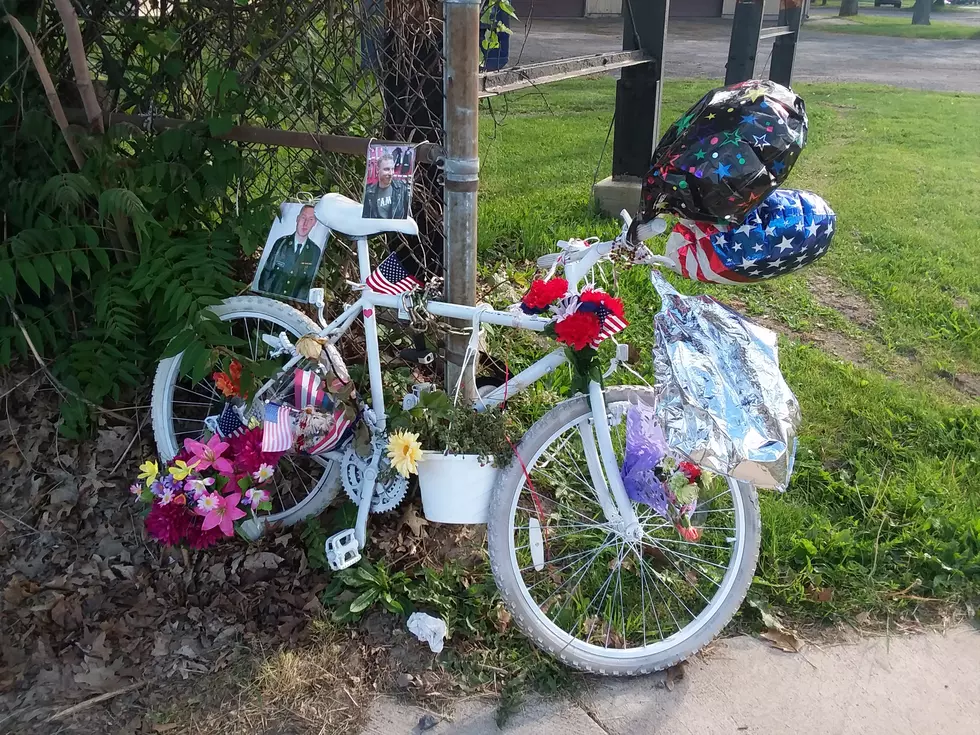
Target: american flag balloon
x=392, y=278
x=789, y=230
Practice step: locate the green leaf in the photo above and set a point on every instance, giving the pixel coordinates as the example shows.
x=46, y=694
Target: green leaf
x=364, y=601
x=8, y=280
x=44, y=271
x=62, y=264
x=81, y=260
x=218, y=126
x=27, y=272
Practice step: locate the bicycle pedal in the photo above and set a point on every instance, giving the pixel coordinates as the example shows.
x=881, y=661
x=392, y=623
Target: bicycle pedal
x=342, y=550
x=422, y=357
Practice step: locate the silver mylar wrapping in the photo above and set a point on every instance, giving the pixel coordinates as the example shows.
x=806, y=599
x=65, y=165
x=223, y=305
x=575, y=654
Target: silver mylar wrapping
x=721, y=397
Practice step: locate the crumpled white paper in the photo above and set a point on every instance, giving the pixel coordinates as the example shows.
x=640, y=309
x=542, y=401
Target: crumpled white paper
x=428, y=630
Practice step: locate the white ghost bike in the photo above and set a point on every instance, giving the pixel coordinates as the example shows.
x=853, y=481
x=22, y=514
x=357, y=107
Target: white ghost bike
x=603, y=583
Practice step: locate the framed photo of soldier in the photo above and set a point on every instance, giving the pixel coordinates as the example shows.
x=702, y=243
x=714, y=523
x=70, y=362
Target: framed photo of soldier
x=292, y=253
x=388, y=181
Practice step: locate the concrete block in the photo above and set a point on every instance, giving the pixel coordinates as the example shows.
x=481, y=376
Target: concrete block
x=613, y=196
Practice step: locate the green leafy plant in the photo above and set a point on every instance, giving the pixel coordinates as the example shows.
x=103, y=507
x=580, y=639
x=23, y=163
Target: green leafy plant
x=458, y=429
x=354, y=591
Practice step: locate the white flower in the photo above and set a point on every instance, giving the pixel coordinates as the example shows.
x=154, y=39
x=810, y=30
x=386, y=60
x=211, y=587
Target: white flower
x=263, y=473
x=209, y=502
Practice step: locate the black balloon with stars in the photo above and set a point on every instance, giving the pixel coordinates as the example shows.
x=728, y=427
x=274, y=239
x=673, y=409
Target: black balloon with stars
x=727, y=153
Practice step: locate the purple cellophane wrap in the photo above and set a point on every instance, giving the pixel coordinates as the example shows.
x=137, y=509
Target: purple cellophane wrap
x=721, y=398
x=646, y=447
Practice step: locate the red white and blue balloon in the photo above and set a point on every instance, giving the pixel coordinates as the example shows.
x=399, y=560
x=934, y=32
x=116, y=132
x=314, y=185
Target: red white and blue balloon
x=789, y=230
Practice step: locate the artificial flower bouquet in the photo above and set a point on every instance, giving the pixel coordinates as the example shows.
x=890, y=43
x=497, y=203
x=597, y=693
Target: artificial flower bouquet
x=581, y=322
x=670, y=486
x=208, y=490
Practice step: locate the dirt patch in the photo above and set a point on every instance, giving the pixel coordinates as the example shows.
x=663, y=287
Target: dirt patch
x=966, y=383
x=832, y=294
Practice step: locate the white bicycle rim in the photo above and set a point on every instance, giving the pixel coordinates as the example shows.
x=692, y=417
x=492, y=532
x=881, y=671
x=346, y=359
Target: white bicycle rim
x=320, y=490
x=614, y=657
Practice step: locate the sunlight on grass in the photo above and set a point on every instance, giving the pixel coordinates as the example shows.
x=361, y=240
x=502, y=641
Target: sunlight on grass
x=886, y=496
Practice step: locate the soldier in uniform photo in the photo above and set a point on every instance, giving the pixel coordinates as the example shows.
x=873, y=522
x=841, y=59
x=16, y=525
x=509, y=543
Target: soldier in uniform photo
x=388, y=198
x=291, y=265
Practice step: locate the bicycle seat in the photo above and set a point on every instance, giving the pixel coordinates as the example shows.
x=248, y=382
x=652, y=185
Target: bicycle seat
x=341, y=214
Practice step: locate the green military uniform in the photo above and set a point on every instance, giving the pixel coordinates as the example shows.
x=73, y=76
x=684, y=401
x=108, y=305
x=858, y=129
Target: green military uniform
x=290, y=268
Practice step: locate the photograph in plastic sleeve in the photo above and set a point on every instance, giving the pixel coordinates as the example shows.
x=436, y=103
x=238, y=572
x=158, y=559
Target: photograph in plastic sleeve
x=388, y=181
x=292, y=253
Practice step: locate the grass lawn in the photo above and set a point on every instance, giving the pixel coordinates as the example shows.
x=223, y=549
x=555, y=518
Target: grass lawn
x=900, y=25
x=884, y=508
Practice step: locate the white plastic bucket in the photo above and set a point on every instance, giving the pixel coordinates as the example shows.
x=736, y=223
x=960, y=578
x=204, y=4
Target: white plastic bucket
x=456, y=488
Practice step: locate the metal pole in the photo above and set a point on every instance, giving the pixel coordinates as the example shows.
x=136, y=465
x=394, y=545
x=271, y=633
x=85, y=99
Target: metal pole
x=784, y=48
x=638, y=90
x=744, y=45
x=462, y=169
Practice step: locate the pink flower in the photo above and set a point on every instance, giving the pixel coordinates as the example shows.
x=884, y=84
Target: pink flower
x=137, y=490
x=225, y=514
x=255, y=496
x=168, y=524
x=688, y=533
x=209, y=455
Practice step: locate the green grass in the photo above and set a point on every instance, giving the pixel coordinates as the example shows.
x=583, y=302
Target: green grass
x=901, y=26
x=886, y=495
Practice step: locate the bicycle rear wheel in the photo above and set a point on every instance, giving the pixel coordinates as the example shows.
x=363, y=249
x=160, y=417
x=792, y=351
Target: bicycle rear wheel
x=303, y=486
x=585, y=593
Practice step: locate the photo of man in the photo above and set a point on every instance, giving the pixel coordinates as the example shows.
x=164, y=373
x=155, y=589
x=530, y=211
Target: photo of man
x=292, y=254
x=388, y=182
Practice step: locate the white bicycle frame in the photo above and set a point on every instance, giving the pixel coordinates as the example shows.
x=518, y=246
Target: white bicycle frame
x=600, y=456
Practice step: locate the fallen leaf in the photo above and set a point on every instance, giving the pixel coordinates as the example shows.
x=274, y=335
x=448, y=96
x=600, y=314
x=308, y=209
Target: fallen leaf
x=674, y=674
x=503, y=618
x=862, y=618
x=784, y=640
x=824, y=594
x=413, y=520
x=262, y=560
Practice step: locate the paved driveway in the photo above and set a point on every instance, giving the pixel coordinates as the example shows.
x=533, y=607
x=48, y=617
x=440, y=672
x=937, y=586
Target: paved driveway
x=698, y=49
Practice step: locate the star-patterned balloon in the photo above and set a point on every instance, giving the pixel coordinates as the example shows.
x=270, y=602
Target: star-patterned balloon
x=724, y=156
x=789, y=230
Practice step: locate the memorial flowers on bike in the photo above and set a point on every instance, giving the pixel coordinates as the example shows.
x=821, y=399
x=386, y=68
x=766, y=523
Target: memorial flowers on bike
x=208, y=489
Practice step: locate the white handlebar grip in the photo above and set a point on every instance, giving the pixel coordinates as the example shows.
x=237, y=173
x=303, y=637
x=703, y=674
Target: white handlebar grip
x=651, y=229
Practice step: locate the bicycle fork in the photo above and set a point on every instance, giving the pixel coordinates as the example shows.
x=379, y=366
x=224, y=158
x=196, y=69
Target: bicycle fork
x=603, y=467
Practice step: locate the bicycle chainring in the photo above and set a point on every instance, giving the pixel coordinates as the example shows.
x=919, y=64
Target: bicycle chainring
x=387, y=495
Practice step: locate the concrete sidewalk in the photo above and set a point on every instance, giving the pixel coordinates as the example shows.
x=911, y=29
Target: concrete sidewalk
x=914, y=685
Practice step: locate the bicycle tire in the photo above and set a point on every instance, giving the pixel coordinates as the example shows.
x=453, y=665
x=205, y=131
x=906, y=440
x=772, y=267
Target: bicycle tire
x=168, y=371
x=535, y=624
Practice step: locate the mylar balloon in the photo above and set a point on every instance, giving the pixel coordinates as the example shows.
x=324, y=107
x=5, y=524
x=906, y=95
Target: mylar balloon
x=727, y=153
x=789, y=230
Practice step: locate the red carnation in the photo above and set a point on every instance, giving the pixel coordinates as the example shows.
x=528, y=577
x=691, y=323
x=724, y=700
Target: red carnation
x=199, y=539
x=601, y=297
x=247, y=454
x=543, y=294
x=578, y=330
x=169, y=524
x=691, y=471
x=688, y=533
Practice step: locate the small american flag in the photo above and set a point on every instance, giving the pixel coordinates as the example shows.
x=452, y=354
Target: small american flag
x=610, y=324
x=333, y=437
x=229, y=422
x=308, y=390
x=392, y=278
x=277, y=429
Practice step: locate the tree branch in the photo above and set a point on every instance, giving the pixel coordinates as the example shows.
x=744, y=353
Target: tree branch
x=83, y=77
x=49, y=90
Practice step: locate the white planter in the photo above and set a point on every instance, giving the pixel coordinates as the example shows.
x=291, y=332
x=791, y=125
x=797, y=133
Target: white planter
x=456, y=488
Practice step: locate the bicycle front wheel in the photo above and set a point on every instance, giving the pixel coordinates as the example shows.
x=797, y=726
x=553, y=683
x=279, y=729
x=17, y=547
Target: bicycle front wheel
x=582, y=590
x=303, y=486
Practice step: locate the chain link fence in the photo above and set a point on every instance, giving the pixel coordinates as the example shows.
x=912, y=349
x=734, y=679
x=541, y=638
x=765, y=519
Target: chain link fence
x=361, y=68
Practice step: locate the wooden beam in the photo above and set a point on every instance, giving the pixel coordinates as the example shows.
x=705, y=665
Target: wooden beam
x=545, y=72
x=427, y=153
